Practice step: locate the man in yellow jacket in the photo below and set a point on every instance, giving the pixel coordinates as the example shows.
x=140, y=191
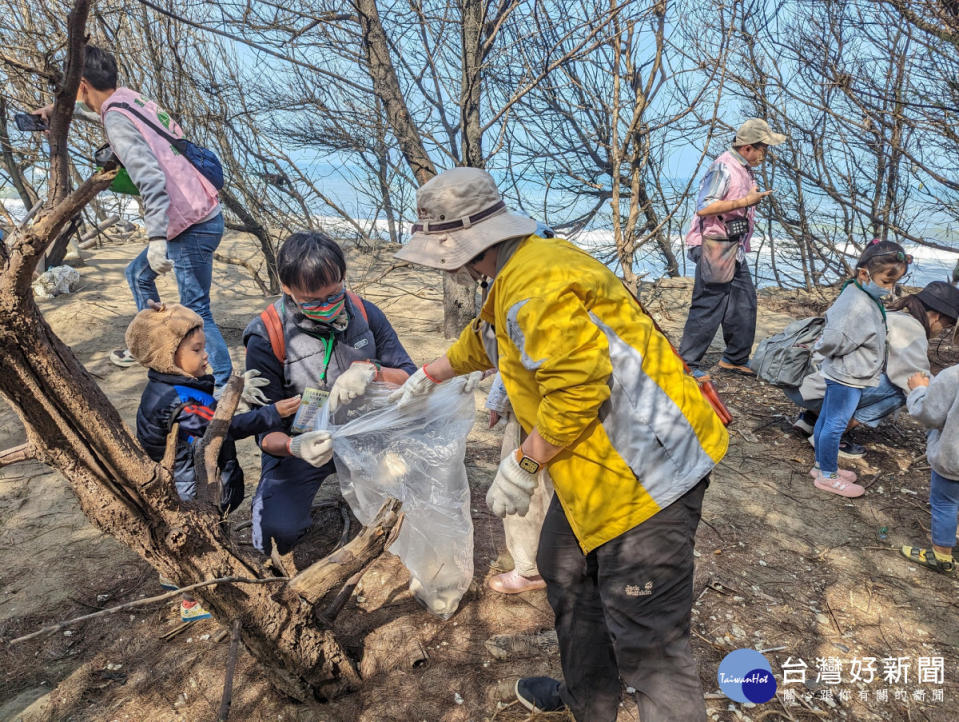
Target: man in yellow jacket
x=626, y=434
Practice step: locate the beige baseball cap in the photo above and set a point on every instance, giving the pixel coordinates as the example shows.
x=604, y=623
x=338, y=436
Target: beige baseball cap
x=757, y=130
x=461, y=214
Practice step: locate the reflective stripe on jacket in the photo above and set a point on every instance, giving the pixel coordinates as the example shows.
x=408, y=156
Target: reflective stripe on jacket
x=583, y=364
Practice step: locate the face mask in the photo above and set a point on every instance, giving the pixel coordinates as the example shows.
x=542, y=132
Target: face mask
x=875, y=290
x=324, y=310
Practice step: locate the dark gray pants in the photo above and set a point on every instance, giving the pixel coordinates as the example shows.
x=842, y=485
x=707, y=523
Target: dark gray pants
x=732, y=305
x=622, y=612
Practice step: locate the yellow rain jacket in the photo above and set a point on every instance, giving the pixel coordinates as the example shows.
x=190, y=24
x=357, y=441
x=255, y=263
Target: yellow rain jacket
x=583, y=364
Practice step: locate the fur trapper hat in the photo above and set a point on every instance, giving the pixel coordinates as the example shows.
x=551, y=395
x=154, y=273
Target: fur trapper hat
x=155, y=333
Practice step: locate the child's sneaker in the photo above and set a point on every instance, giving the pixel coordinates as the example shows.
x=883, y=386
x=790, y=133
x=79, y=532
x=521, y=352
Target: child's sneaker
x=928, y=558
x=122, y=357
x=192, y=611
x=805, y=423
x=844, y=474
x=837, y=485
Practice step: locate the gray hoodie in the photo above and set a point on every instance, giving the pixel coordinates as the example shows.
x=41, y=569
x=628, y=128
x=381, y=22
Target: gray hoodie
x=907, y=352
x=143, y=168
x=936, y=407
x=853, y=343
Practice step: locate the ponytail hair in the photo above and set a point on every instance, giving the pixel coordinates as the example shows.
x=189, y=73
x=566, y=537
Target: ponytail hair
x=879, y=256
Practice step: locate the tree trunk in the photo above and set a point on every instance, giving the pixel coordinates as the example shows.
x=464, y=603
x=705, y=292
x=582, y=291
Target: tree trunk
x=459, y=303
x=471, y=25
x=71, y=426
x=387, y=88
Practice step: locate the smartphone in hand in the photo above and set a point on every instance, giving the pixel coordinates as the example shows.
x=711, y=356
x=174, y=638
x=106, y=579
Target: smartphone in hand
x=28, y=122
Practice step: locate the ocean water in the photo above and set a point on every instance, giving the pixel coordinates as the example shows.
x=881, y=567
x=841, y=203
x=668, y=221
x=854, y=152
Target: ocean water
x=930, y=264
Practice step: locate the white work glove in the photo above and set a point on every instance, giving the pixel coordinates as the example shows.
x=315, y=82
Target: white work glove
x=314, y=447
x=156, y=256
x=252, y=383
x=351, y=383
x=419, y=384
x=512, y=488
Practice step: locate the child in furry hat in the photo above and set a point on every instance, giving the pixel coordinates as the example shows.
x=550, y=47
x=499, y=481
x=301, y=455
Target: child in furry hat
x=169, y=341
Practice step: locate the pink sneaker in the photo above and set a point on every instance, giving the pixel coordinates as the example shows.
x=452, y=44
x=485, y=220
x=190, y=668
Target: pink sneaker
x=837, y=485
x=513, y=582
x=844, y=474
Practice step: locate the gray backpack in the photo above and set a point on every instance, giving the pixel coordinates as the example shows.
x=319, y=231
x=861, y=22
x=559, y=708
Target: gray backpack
x=785, y=359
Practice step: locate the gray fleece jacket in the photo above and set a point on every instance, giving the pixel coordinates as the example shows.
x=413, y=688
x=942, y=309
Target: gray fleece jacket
x=853, y=343
x=936, y=407
x=907, y=352
x=144, y=170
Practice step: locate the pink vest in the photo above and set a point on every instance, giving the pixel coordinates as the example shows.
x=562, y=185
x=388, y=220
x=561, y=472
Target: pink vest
x=192, y=197
x=740, y=183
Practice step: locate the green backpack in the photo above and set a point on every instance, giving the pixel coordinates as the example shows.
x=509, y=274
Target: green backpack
x=122, y=183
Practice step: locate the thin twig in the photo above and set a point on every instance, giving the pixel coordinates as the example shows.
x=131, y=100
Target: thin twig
x=227, y=698
x=148, y=600
x=345, y=534
x=23, y=452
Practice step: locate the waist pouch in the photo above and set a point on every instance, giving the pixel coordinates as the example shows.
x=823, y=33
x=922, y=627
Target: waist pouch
x=717, y=263
x=736, y=229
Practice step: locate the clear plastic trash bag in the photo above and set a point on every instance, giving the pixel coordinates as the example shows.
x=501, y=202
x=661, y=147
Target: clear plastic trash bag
x=415, y=454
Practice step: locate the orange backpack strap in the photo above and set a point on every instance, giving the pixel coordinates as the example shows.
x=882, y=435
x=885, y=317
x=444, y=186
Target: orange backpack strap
x=274, y=329
x=358, y=304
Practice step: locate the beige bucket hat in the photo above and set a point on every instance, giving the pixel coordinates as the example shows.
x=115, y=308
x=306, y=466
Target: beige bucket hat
x=757, y=130
x=461, y=214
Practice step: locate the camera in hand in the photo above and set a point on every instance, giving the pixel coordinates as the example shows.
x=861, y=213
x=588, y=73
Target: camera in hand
x=28, y=122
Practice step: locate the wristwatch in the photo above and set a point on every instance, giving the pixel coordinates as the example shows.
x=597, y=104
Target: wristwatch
x=530, y=466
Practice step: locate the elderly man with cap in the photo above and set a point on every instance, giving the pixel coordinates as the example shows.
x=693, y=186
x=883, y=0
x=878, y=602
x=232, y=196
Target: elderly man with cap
x=718, y=240
x=626, y=435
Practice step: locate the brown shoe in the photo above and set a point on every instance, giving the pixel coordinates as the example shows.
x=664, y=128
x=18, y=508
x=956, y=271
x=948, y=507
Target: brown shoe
x=735, y=368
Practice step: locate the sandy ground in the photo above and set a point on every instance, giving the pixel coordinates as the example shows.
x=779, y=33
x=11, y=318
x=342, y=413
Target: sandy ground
x=782, y=567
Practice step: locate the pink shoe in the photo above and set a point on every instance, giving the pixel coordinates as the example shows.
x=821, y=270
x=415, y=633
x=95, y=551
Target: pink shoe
x=844, y=474
x=513, y=582
x=837, y=485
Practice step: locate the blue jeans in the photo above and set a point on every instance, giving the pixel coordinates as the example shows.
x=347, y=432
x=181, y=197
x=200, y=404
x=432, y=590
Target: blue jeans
x=192, y=256
x=838, y=407
x=944, y=500
x=875, y=404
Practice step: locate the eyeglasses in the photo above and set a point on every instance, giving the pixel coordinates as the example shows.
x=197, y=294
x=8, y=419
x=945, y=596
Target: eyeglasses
x=314, y=302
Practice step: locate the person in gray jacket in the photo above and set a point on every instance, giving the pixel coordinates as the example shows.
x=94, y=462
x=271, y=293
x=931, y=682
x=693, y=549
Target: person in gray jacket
x=853, y=350
x=936, y=406
x=181, y=209
x=913, y=320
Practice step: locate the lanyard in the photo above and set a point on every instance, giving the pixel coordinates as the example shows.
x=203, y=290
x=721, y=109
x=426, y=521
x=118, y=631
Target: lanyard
x=328, y=343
